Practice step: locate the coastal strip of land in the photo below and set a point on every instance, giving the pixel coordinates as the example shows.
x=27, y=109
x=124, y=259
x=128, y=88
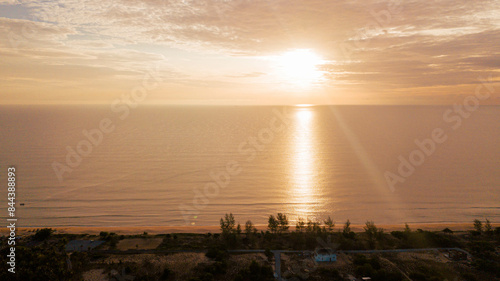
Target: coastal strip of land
x=131, y=230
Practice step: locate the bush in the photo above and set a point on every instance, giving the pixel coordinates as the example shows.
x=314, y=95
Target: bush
x=417, y=276
x=217, y=254
x=166, y=273
x=469, y=276
x=219, y=267
x=349, y=235
x=268, y=254
x=383, y=275
x=332, y=274
x=365, y=270
x=113, y=241
x=487, y=266
x=255, y=271
x=43, y=234
x=399, y=234
x=40, y=263
x=361, y=260
x=482, y=248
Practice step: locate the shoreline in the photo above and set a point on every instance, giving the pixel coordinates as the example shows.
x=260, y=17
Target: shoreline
x=138, y=230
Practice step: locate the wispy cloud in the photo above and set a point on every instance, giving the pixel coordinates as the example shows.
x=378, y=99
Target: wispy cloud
x=439, y=46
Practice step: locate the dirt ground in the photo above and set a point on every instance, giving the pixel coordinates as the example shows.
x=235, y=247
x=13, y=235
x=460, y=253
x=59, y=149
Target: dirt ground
x=139, y=244
x=95, y=275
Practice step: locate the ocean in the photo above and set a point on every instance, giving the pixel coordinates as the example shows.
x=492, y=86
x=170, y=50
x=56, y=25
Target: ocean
x=94, y=165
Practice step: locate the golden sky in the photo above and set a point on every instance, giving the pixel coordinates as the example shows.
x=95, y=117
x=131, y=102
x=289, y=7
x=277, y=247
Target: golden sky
x=249, y=51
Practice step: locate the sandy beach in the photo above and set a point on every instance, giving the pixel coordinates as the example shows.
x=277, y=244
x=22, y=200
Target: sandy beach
x=216, y=229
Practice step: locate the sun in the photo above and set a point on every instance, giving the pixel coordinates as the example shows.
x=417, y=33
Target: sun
x=299, y=67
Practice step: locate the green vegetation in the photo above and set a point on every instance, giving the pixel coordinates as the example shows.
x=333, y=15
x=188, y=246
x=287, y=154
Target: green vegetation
x=371, y=267
x=43, y=234
x=329, y=224
x=42, y=256
x=373, y=233
x=332, y=274
x=478, y=226
x=217, y=254
x=255, y=271
x=227, y=224
x=146, y=270
x=488, y=229
x=45, y=261
x=279, y=224
x=347, y=232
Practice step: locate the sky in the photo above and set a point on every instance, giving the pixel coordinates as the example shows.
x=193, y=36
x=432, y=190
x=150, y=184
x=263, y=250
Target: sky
x=249, y=51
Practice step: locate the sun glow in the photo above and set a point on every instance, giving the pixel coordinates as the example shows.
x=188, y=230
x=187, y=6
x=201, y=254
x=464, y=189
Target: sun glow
x=304, y=192
x=299, y=67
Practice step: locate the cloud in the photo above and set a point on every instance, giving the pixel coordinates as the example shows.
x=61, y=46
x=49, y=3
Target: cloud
x=368, y=45
x=9, y=2
x=248, y=75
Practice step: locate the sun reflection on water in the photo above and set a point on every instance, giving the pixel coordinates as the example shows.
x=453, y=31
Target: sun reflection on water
x=303, y=174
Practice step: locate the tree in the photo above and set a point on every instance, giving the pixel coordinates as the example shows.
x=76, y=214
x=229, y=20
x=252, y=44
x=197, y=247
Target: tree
x=487, y=227
x=272, y=224
x=300, y=225
x=249, y=228
x=478, y=225
x=370, y=229
x=43, y=234
x=313, y=226
x=372, y=232
x=407, y=228
x=329, y=224
x=347, y=228
x=227, y=224
x=310, y=226
x=317, y=226
x=238, y=229
x=282, y=222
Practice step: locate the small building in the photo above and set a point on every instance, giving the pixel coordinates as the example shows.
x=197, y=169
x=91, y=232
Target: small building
x=325, y=255
x=82, y=245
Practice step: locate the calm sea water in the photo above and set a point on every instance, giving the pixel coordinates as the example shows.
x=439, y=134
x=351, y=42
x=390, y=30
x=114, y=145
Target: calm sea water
x=161, y=164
